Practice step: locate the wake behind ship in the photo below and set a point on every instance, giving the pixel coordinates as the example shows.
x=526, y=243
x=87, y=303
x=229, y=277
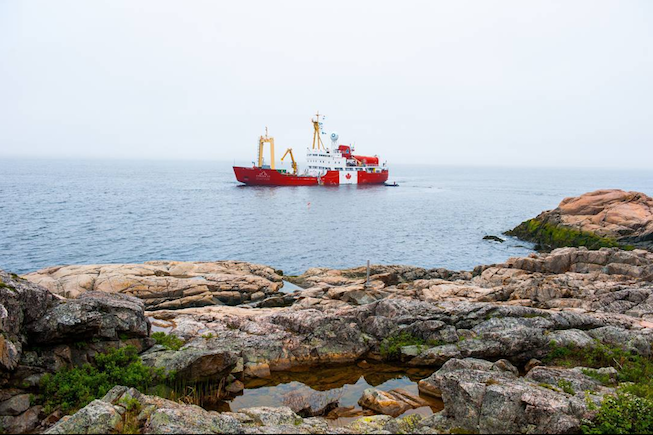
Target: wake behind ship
x=325, y=166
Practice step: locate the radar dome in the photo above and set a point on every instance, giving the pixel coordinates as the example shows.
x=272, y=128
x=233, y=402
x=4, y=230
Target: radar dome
x=334, y=136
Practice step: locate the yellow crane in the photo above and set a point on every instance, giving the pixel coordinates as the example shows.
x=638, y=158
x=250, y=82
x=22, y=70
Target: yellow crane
x=261, y=142
x=294, y=164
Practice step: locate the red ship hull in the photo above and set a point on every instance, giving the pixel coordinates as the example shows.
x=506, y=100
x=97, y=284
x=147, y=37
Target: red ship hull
x=255, y=176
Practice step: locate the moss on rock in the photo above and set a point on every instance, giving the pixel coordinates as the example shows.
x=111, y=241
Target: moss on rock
x=548, y=236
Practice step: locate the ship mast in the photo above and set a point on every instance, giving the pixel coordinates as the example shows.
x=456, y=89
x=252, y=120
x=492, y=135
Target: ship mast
x=317, y=140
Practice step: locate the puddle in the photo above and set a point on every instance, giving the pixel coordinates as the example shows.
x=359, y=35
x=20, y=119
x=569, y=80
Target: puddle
x=325, y=384
x=289, y=287
x=161, y=325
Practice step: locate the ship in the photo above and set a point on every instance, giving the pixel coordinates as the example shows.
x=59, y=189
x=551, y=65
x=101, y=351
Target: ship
x=326, y=166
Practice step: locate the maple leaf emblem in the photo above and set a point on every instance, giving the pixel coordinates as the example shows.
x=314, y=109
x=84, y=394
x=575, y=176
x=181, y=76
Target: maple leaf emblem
x=348, y=176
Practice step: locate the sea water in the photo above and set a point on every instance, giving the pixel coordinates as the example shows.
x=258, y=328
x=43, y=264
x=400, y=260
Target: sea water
x=55, y=212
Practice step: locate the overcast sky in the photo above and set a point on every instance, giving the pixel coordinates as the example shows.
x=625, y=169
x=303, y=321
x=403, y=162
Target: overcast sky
x=547, y=83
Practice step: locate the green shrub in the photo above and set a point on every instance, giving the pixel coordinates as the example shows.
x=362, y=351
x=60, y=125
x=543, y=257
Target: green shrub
x=71, y=389
x=641, y=389
x=622, y=414
x=169, y=341
x=558, y=353
x=391, y=346
x=630, y=367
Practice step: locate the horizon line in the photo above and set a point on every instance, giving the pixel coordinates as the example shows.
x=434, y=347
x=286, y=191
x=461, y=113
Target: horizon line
x=236, y=162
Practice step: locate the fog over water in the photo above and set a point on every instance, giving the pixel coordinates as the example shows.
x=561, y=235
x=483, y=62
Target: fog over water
x=537, y=83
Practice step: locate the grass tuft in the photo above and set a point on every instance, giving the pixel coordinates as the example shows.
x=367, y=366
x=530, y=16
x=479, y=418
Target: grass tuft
x=169, y=341
x=391, y=346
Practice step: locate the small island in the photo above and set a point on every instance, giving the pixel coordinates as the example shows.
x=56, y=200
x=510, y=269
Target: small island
x=603, y=218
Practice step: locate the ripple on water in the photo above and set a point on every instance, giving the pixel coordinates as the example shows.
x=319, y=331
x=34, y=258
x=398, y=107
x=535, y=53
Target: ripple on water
x=86, y=212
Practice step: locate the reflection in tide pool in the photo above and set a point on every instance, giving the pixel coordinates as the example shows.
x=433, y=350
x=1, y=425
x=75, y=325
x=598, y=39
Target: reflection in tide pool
x=289, y=287
x=345, y=383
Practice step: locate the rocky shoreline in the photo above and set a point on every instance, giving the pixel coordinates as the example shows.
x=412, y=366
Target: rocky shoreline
x=487, y=327
x=536, y=344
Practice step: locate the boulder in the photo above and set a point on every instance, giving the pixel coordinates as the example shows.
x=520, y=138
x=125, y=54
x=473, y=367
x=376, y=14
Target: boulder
x=383, y=402
x=574, y=379
x=16, y=405
x=191, y=364
x=95, y=418
x=268, y=416
x=481, y=397
x=92, y=315
x=235, y=387
x=394, y=402
x=375, y=424
x=431, y=385
x=21, y=303
x=26, y=422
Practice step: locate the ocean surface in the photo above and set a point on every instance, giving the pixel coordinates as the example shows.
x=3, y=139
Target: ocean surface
x=55, y=212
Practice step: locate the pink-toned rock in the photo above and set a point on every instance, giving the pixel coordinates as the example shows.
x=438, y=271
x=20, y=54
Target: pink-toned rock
x=609, y=212
x=626, y=217
x=165, y=284
x=384, y=402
